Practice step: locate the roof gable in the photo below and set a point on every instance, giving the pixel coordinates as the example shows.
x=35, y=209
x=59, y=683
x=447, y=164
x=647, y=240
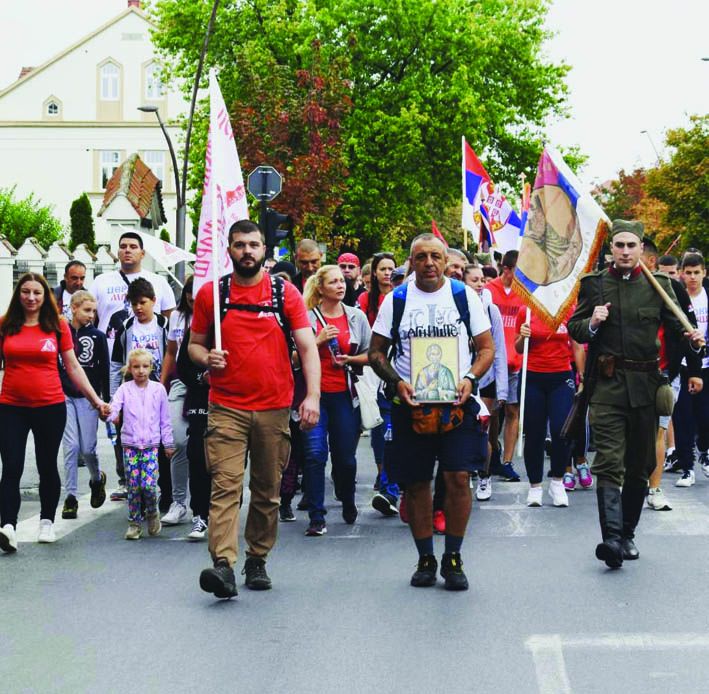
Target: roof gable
x=28, y=73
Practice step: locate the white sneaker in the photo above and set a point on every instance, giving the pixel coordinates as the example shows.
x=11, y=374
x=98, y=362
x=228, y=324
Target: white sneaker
x=558, y=494
x=46, y=532
x=656, y=500
x=534, y=497
x=686, y=480
x=8, y=539
x=199, y=529
x=176, y=514
x=484, y=490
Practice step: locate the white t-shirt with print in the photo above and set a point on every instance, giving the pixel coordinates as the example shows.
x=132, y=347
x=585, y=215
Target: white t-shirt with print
x=109, y=290
x=701, y=311
x=431, y=314
x=176, y=330
x=147, y=336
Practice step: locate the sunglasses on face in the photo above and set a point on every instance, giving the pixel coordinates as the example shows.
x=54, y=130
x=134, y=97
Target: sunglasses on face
x=347, y=267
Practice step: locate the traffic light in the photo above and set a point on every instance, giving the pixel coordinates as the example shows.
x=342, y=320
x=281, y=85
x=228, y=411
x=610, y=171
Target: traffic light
x=278, y=226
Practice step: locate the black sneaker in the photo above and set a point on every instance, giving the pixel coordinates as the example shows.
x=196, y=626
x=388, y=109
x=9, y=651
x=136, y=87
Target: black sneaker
x=219, y=580
x=98, y=491
x=302, y=504
x=377, y=482
x=349, y=513
x=285, y=512
x=425, y=574
x=452, y=571
x=316, y=528
x=71, y=507
x=385, y=504
x=255, y=572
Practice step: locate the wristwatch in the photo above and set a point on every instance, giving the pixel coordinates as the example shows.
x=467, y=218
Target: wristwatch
x=474, y=380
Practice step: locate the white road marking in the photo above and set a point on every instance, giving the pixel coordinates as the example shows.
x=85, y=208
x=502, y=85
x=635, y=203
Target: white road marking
x=548, y=652
x=28, y=529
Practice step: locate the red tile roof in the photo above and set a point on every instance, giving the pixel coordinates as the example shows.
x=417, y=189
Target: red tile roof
x=134, y=179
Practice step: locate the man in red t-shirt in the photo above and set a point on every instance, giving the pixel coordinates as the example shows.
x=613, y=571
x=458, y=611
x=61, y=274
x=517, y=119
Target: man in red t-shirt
x=249, y=404
x=509, y=304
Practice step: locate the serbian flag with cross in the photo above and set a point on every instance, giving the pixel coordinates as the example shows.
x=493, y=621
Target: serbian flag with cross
x=486, y=211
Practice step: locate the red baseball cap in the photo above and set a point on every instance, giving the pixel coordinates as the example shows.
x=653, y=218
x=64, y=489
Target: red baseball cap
x=348, y=258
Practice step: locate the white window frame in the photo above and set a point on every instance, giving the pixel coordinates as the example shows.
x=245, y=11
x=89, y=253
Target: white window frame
x=155, y=159
x=153, y=84
x=109, y=161
x=50, y=113
x=110, y=82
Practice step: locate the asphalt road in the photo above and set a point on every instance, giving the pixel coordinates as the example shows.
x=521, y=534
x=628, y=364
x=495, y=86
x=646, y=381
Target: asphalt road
x=96, y=613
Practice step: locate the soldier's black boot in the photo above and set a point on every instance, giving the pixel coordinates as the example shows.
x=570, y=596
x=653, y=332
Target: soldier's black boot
x=610, y=515
x=632, y=501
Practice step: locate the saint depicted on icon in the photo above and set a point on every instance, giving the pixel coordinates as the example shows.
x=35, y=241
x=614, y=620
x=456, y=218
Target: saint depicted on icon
x=434, y=361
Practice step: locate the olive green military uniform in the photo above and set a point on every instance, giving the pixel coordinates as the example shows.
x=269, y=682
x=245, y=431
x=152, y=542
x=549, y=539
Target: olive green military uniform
x=622, y=406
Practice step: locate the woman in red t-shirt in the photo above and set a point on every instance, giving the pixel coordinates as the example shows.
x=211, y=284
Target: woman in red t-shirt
x=383, y=266
x=548, y=399
x=32, y=337
x=343, y=336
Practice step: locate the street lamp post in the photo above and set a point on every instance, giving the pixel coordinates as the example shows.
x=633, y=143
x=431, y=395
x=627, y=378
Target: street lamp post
x=657, y=154
x=181, y=210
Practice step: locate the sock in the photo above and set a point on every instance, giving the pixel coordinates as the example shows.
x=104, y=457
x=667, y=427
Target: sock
x=453, y=543
x=425, y=545
x=670, y=451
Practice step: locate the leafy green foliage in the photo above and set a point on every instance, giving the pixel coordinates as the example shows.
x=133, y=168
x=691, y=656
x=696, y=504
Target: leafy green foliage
x=682, y=183
x=20, y=219
x=362, y=103
x=82, y=223
x=165, y=235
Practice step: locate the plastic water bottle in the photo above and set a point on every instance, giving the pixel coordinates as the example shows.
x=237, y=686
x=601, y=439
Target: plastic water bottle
x=387, y=432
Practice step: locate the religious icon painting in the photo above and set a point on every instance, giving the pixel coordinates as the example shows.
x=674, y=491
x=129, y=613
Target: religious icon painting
x=434, y=369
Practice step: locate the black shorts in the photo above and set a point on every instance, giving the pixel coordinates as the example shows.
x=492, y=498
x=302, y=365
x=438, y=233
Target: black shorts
x=489, y=391
x=412, y=457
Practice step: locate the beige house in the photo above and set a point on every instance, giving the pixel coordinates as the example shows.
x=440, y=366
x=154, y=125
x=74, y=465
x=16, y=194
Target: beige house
x=67, y=125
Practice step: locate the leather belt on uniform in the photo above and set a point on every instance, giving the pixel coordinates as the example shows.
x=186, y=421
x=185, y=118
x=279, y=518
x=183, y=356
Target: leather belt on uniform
x=635, y=365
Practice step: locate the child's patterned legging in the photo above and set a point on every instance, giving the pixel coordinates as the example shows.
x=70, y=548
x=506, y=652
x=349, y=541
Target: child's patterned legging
x=141, y=468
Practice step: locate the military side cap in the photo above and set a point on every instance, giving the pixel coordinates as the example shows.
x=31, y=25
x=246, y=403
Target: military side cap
x=630, y=226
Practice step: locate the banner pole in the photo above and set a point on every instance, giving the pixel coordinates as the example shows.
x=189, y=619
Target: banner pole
x=523, y=390
x=215, y=216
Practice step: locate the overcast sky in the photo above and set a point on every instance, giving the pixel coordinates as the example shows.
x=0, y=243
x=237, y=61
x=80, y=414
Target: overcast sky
x=637, y=65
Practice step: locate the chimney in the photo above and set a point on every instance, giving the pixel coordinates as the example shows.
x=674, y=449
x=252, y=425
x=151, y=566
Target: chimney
x=134, y=3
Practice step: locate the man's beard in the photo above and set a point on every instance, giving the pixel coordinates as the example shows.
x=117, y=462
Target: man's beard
x=247, y=272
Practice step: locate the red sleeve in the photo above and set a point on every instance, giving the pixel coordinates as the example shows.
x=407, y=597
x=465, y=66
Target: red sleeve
x=363, y=301
x=67, y=341
x=294, y=308
x=203, y=313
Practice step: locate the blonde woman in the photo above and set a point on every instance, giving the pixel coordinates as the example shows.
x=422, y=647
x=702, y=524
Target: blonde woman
x=342, y=336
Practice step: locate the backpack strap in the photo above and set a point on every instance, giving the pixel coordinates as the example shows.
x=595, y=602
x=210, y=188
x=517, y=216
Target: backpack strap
x=461, y=303
x=277, y=306
x=399, y=303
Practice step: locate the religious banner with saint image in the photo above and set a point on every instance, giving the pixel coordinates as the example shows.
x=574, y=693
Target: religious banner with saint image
x=562, y=238
x=434, y=369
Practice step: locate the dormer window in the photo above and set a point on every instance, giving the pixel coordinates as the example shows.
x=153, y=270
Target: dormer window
x=110, y=82
x=153, y=83
x=52, y=108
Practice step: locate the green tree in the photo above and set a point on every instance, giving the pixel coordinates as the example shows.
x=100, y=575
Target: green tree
x=419, y=74
x=82, y=223
x=165, y=235
x=620, y=197
x=682, y=183
x=20, y=219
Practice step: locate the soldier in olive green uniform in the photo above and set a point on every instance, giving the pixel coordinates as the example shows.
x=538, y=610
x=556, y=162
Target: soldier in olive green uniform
x=619, y=313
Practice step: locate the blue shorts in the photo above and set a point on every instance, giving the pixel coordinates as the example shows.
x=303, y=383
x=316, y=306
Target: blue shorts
x=413, y=456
